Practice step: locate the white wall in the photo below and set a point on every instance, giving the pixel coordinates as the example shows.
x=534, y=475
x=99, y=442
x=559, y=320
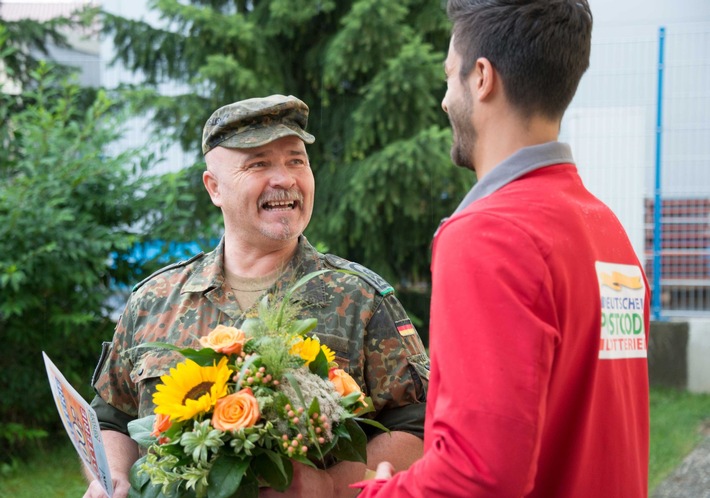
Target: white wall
x=139, y=130
x=609, y=148
x=611, y=13
x=698, y=355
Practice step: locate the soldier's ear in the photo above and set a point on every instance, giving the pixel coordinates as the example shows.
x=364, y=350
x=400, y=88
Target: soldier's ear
x=212, y=185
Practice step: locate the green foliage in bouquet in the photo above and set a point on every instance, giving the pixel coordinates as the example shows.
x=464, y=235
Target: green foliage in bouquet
x=236, y=413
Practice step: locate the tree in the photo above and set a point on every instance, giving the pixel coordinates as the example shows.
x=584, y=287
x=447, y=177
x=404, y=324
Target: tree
x=69, y=207
x=371, y=72
x=26, y=44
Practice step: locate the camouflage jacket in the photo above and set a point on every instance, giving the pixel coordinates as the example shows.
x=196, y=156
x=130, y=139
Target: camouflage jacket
x=359, y=318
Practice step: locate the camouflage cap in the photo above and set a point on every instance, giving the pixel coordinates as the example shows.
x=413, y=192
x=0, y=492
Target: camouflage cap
x=255, y=122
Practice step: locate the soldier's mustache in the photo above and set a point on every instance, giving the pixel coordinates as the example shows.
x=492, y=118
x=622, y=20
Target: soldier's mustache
x=292, y=196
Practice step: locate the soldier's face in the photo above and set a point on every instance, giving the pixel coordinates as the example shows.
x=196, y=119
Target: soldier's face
x=265, y=193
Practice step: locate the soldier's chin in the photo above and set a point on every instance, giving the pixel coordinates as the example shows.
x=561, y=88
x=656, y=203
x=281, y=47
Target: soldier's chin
x=285, y=229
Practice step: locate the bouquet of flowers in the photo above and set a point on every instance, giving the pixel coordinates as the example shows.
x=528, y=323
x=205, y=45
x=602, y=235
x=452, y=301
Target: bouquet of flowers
x=237, y=412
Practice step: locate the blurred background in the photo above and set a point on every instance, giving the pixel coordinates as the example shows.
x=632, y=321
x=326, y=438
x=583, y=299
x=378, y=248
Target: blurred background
x=102, y=105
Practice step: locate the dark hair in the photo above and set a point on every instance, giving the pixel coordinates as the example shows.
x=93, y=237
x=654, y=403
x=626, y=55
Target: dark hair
x=540, y=48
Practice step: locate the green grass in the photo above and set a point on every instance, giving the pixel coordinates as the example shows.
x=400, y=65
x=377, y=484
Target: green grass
x=54, y=473
x=678, y=422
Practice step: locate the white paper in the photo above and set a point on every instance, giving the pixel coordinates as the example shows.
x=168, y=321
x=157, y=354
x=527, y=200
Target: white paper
x=81, y=424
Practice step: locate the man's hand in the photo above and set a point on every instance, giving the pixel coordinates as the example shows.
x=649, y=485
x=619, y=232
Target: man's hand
x=400, y=448
x=121, y=452
x=384, y=471
x=121, y=486
x=307, y=482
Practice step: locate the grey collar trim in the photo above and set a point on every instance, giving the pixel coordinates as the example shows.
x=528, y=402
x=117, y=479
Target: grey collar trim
x=520, y=163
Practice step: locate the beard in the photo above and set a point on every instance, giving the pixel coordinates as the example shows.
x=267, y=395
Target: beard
x=287, y=227
x=464, y=133
x=282, y=232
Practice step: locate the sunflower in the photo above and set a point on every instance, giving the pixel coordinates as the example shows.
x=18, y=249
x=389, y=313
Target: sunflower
x=191, y=389
x=329, y=353
x=307, y=348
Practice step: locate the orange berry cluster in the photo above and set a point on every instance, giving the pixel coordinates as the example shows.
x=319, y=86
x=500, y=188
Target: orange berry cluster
x=258, y=377
x=298, y=445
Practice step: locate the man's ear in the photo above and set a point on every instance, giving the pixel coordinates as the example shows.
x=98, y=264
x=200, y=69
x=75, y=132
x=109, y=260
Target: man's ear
x=212, y=186
x=482, y=79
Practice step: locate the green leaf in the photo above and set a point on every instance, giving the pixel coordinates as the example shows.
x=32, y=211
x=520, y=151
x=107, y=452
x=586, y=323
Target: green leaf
x=225, y=476
x=319, y=365
x=138, y=481
x=353, y=399
x=302, y=281
x=341, y=431
x=294, y=383
x=314, y=408
x=289, y=292
x=141, y=487
x=305, y=461
x=154, y=491
x=275, y=469
x=302, y=327
x=249, y=488
x=354, y=450
x=140, y=430
x=203, y=357
x=253, y=326
x=248, y=364
x=373, y=423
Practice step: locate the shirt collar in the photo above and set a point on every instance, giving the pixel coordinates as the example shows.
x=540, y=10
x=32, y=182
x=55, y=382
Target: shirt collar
x=520, y=163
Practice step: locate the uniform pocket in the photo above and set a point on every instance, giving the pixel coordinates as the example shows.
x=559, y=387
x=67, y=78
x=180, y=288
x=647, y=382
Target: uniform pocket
x=419, y=364
x=146, y=375
x=340, y=346
x=154, y=364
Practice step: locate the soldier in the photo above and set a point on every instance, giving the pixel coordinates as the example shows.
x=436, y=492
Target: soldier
x=258, y=174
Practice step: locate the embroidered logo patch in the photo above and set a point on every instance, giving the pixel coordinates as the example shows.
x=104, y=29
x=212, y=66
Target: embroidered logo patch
x=405, y=328
x=622, y=292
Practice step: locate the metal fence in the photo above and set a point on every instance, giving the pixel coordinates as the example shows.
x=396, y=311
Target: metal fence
x=640, y=130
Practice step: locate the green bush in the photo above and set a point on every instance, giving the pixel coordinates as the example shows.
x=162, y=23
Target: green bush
x=66, y=204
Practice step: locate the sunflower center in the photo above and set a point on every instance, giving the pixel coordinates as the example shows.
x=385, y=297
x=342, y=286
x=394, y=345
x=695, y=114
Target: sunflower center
x=198, y=391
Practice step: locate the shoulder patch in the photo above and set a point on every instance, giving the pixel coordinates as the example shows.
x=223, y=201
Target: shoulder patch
x=184, y=262
x=380, y=284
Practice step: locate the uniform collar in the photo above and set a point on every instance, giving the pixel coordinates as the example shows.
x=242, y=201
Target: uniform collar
x=208, y=273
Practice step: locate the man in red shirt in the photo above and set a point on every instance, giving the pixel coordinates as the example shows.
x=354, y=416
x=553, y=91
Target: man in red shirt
x=540, y=307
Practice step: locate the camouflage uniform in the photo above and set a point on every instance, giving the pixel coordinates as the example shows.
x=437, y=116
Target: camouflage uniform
x=359, y=318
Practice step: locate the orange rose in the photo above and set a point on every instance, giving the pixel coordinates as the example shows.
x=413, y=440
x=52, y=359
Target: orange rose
x=236, y=411
x=223, y=339
x=161, y=424
x=342, y=381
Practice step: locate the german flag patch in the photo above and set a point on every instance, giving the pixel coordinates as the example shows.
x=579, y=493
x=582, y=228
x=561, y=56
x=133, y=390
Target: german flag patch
x=405, y=327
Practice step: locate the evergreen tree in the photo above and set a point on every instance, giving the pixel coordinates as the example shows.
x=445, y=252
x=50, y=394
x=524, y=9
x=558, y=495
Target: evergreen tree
x=26, y=43
x=371, y=73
